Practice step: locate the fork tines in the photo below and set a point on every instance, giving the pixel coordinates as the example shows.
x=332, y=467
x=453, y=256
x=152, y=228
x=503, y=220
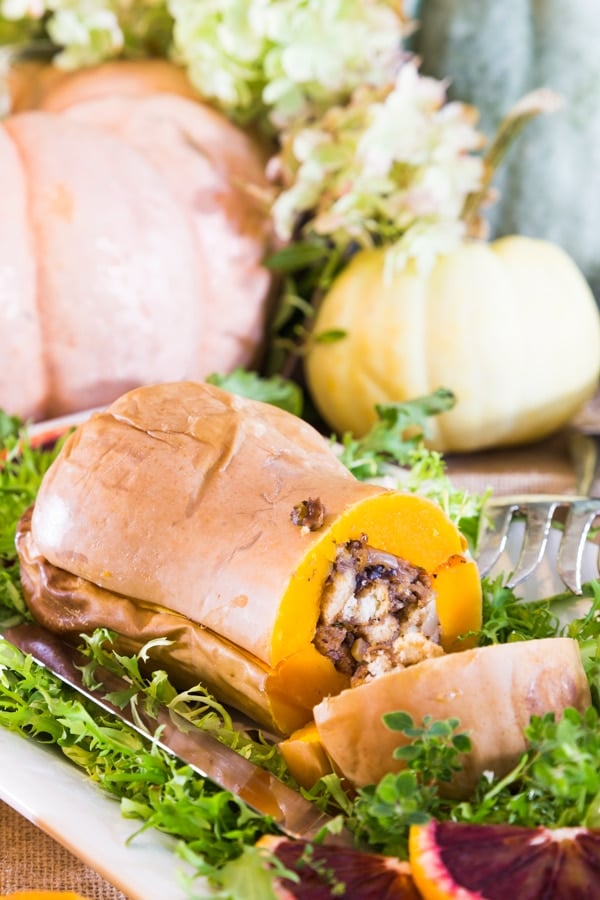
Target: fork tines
x=539, y=512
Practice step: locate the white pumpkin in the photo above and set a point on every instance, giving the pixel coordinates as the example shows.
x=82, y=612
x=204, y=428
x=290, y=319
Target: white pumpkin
x=511, y=328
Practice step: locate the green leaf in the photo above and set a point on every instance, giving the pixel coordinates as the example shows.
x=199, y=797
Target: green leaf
x=398, y=721
x=398, y=417
x=396, y=436
x=507, y=618
x=296, y=256
x=330, y=337
x=401, y=426
x=251, y=876
x=276, y=390
x=10, y=426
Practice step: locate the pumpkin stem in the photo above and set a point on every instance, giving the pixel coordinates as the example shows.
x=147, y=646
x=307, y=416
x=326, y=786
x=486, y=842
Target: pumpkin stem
x=528, y=107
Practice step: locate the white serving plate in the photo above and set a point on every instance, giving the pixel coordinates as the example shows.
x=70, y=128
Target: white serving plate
x=56, y=796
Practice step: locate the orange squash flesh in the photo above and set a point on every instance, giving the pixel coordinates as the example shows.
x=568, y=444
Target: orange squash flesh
x=173, y=510
x=305, y=756
x=44, y=895
x=406, y=525
x=456, y=582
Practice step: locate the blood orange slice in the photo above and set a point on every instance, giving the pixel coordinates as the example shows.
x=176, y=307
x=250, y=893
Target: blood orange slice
x=325, y=871
x=43, y=895
x=456, y=861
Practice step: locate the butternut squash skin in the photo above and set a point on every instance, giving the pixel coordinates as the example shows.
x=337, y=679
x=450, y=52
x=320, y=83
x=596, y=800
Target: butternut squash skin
x=493, y=691
x=172, y=511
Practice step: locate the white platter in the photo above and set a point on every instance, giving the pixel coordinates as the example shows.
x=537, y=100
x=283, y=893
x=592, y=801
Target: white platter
x=56, y=796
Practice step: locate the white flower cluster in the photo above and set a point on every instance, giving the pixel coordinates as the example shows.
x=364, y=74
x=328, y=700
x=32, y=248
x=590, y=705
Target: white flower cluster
x=370, y=151
x=279, y=59
x=88, y=31
x=291, y=58
x=392, y=166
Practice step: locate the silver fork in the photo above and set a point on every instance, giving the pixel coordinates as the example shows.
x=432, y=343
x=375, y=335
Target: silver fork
x=540, y=512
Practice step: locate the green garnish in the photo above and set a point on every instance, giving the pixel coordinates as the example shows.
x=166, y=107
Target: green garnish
x=152, y=786
x=21, y=471
x=276, y=390
x=506, y=618
x=396, y=437
x=383, y=813
x=556, y=781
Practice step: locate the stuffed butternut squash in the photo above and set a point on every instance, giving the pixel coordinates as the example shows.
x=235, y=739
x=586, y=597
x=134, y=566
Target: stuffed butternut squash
x=230, y=527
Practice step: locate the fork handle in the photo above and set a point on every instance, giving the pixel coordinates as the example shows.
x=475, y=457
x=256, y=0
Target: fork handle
x=584, y=450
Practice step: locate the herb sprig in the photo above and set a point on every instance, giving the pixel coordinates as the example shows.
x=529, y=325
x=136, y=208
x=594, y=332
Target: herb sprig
x=556, y=782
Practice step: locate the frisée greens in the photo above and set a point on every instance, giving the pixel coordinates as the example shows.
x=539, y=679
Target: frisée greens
x=556, y=782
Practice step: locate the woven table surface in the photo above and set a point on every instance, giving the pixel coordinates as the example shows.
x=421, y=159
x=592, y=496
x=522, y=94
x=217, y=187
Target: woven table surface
x=30, y=859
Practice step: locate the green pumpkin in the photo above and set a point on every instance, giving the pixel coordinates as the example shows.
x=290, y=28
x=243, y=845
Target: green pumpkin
x=495, y=51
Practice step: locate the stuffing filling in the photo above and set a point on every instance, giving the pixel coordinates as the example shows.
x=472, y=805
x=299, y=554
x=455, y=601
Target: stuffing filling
x=378, y=613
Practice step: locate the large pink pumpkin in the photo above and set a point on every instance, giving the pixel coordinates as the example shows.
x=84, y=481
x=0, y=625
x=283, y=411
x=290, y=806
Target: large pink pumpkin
x=131, y=245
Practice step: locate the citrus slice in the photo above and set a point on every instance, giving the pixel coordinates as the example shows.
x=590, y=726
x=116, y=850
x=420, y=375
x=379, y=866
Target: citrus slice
x=325, y=871
x=456, y=861
x=44, y=895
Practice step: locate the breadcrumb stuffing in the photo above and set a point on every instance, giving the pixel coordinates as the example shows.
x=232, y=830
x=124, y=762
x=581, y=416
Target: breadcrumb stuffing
x=378, y=613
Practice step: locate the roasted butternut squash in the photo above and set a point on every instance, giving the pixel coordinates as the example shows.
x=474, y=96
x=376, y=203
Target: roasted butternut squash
x=175, y=513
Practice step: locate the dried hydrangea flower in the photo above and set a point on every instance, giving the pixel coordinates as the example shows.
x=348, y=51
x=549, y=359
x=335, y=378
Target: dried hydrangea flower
x=271, y=60
x=393, y=166
x=87, y=32
x=286, y=59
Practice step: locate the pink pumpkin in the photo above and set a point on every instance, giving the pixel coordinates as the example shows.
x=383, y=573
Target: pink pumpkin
x=36, y=85
x=131, y=244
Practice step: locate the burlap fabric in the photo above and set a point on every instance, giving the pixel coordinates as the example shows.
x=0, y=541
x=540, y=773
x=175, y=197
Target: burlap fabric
x=543, y=468
x=30, y=859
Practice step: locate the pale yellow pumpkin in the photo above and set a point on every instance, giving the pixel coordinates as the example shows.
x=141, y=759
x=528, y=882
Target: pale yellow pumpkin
x=511, y=327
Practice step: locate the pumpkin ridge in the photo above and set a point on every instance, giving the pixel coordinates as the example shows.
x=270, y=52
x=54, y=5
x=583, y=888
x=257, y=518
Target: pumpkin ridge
x=35, y=255
x=436, y=424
